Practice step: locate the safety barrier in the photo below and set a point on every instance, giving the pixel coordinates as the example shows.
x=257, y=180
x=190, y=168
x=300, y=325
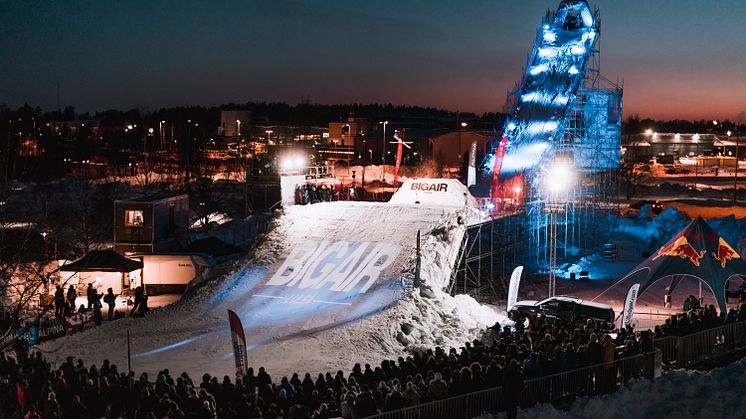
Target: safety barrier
x=588, y=381
x=703, y=345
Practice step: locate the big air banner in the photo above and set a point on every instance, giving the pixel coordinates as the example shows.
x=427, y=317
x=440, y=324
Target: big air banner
x=515, y=282
x=239, y=344
x=629, y=305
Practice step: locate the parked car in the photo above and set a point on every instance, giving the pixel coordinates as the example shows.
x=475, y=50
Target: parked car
x=566, y=310
x=656, y=207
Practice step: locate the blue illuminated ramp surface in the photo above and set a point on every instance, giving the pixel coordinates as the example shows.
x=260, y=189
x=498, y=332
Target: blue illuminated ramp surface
x=549, y=86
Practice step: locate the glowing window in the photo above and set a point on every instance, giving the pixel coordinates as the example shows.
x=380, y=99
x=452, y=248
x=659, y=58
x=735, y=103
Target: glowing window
x=133, y=218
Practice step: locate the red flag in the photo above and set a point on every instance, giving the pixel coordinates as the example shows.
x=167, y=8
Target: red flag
x=398, y=162
x=499, y=155
x=239, y=344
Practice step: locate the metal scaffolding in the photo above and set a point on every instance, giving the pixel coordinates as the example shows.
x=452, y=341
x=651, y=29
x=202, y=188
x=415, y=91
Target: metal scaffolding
x=564, y=109
x=488, y=254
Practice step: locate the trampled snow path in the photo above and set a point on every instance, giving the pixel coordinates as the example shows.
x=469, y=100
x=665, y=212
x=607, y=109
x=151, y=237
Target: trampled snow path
x=299, y=327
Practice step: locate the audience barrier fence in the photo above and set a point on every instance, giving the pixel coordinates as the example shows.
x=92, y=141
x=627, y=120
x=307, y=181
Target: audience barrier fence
x=681, y=352
x=588, y=381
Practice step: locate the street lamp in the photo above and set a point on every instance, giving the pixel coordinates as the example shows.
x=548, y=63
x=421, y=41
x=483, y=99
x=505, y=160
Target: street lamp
x=161, y=132
x=735, y=175
x=383, y=143
x=269, y=135
x=463, y=125
x=238, y=131
x=558, y=181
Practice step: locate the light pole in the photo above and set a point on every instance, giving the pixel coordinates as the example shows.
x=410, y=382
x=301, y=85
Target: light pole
x=269, y=136
x=463, y=125
x=238, y=131
x=161, y=133
x=735, y=175
x=695, y=137
x=383, y=143
x=558, y=181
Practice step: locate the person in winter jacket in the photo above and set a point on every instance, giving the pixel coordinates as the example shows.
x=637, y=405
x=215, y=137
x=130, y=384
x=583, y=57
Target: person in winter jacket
x=110, y=299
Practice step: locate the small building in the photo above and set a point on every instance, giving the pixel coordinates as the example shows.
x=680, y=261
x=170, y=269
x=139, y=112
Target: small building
x=346, y=133
x=643, y=147
x=235, y=123
x=452, y=148
x=149, y=224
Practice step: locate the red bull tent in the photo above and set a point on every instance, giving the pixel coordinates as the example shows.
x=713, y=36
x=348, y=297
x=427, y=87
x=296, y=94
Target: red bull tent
x=696, y=251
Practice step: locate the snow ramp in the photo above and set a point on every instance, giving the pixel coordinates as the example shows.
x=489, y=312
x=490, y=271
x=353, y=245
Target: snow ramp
x=323, y=291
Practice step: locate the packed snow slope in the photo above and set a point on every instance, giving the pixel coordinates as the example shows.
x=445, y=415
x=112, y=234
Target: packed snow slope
x=323, y=291
x=680, y=394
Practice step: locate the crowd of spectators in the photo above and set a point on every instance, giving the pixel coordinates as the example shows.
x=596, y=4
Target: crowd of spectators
x=698, y=318
x=31, y=388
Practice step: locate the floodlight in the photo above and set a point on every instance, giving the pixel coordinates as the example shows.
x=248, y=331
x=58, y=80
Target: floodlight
x=560, y=177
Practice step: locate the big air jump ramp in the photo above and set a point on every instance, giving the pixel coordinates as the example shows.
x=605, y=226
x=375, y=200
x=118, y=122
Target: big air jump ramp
x=316, y=290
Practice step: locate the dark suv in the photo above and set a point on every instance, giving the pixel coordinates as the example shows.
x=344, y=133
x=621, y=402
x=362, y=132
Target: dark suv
x=566, y=310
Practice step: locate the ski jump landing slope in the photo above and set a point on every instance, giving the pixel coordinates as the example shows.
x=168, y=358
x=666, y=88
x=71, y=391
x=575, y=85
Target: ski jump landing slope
x=322, y=292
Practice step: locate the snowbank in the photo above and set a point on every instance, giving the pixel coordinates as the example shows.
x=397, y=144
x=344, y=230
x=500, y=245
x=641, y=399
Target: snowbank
x=679, y=394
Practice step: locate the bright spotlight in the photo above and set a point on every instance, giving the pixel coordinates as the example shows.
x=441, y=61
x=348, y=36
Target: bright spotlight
x=560, y=177
x=299, y=161
x=286, y=163
x=648, y=132
x=517, y=189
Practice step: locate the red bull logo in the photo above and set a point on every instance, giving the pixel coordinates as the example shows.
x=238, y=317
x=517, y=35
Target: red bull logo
x=683, y=249
x=725, y=252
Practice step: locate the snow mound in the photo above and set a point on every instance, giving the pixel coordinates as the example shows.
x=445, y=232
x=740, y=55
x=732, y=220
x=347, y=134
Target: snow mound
x=678, y=395
x=326, y=289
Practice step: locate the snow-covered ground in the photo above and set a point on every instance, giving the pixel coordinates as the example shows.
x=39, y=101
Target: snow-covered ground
x=293, y=319
x=679, y=394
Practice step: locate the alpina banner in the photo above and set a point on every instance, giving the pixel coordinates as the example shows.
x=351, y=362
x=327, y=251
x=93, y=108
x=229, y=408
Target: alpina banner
x=629, y=305
x=515, y=281
x=341, y=266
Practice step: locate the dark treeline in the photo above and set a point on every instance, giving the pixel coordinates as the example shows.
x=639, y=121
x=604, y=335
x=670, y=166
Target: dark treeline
x=264, y=113
x=634, y=125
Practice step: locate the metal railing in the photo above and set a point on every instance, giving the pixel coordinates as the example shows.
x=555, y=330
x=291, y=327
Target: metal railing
x=588, y=381
x=703, y=345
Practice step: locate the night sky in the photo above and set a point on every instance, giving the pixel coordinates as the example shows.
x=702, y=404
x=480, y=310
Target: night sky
x=678, y=58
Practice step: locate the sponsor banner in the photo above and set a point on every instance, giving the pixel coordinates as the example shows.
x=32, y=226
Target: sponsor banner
x=239, y=344
x=629, y=305
x=51, y=329
x=418, y=265
x=28, y=334
x=515, y=281
x=499, y=156
x=79, y=319
x=471, y=175
x=398, y=163
x=342, y=266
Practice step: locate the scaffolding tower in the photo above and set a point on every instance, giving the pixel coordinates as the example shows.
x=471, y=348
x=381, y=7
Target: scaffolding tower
x=564, y=109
